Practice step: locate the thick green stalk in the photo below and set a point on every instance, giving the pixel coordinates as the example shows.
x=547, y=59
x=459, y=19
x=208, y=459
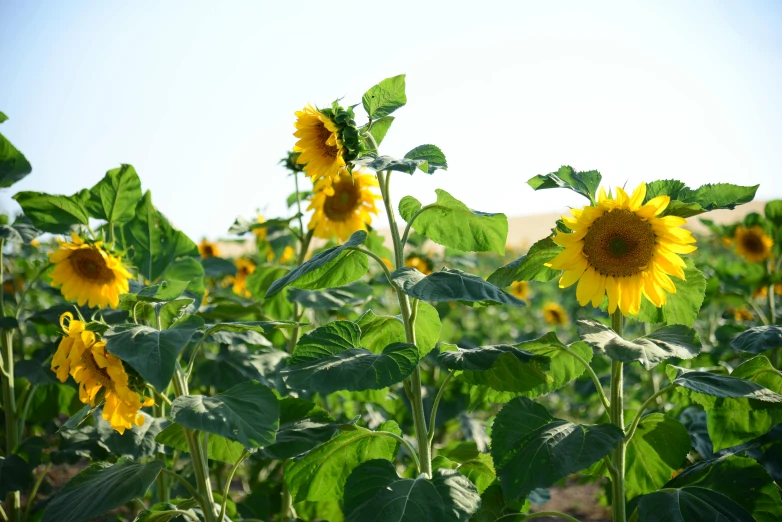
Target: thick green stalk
x=13, y=500
x=408, y=318
x=617, y=418
x=200, y=463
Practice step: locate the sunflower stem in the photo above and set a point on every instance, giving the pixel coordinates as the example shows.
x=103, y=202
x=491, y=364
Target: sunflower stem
x=228, y=480
x=297, y=311
x=616, y=412
x=408, y=319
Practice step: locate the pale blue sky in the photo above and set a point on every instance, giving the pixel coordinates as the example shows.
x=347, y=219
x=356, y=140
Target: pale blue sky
x=200, y=96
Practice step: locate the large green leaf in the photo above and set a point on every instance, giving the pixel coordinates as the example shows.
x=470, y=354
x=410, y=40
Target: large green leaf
x=529, y=267
x=342, y=299
x=52, y=213
x=114, y=198
x=153, y=242
x=20, y=231
x=321, y=474
x=739, y=478
x=658, y=447
x=690, y=504
x=758, y=339
x=13, y=165
x=533, y=449
x=451, y=223
x=248, y=413
x=432, y=157
x=724, y=386
x=375, y=493
x=681, y=307
x=584, y=183
x=379, y=130
x=385, y=97
x=450, y=285
x=334, y=266
x=669, y=341
x=136, y=443
x=303, y=426
x=562, y=368
x=687, y=202
x=378, y=331
x=152, y=353
x=218, y=448
x=101, y=488
x=330, y=358
x=378, y=163
x=467, y=460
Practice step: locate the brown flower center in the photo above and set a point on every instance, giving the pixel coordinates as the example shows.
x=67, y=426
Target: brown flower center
x=554, y=316
x=324, y=134
x=619, y=243
x=344, y=202
x=100, y=374
x=90, y=265
x=753, y=243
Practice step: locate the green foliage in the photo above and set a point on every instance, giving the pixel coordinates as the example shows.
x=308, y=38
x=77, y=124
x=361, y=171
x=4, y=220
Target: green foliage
x=759, y=339
x=432, y=157
x=584, y=183
x=529, y=267
x=379, y=128
x=378, y=331
x=385, y=97
x=53, y=213
x=13, y=165
x=690, y=504
x=687, y=202
x=218, y=448
x=114, y=198
x=451, y=285
x=681, y=307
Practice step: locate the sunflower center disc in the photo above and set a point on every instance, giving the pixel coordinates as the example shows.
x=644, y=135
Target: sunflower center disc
x=324, y=135
x=90, y=265
x=344, y=202
x=753, y=244
x=100, y=374
x=619, y=243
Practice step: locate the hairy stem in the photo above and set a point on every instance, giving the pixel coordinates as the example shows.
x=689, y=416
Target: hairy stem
x=593, y=375
x=617, y=417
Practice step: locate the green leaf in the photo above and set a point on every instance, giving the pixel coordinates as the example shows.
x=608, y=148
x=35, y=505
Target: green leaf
x=741, y=479
x=321, y=473
x=451, y=223
x=152, y=353
x=218, y=448
x=378, y=331
x=584, y=183
x=344, y=298
x=773, y=212
x=467, y=460
x=248, y=413
x=330, y=358
x=450, y=285
x=380, y=128
x=303, y=426
x=408, y=206
x=13, y=165
x=563, y=368
x=681, y=307
x=114, y=198
x=52, y=213
x=720, y=385
x=378, y=163
x=21, y=231
x=217, y=267
x=15, y=474
x=691, y=504
x=118, y=484
x=190, y=270
x=529, y=267
x=433, y=158
x=333, y=267
x=659, y=446
x=136, y=443
x=375, y=493
x=758, y=339
x=532, y=449
x=154, y=243
x=717, y=196
x=385, y=97
x=650, y=350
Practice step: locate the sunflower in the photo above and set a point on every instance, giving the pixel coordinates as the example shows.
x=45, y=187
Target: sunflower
x=288, y=255
x=554, y=314
x=520, y=289
x=260, y=233
x=763, y=291
x=742, y=314
x=752, y=243
x=347, y=209
x=321, y=149
x=88, y=273
x=620, y=248
x=422, y=264
x=208, y=249
x=82, y=355
x=244, y=267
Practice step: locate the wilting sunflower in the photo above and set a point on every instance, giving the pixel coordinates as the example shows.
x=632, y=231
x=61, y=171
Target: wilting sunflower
x=244, y=268
x=422, y=264
x=82, y=355
x=347, y=209
x=554, y=314
x=752, y=243
x=88, y=274
x=208, y=249
x=620, y=248
x=520, y=289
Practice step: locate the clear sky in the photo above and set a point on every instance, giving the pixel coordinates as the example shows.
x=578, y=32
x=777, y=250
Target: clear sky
x=200, y=96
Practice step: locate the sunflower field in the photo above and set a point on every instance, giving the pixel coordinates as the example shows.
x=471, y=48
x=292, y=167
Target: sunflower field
x=332, y=371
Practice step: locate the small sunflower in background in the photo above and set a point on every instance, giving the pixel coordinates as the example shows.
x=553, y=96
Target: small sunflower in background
x=421, y=263
x=260, y=233
x=742, y=314
x=553, y=313
x=82, y=355
x=620, y=248
x=348, y=208
x=244, y=268
x=208, y=249
x=753, y=244
x=88, y=274
x=327, y=140
x=519, y=289
x=762, y=292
